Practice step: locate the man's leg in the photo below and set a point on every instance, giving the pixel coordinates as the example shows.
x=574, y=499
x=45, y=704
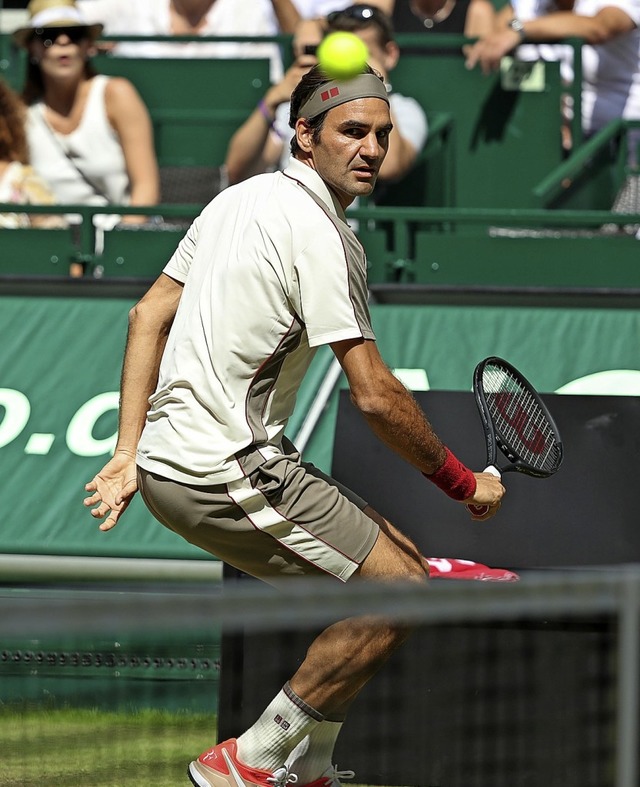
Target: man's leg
x=296, y=505
x=339, y=662
x=347, y=654
x=312, y=759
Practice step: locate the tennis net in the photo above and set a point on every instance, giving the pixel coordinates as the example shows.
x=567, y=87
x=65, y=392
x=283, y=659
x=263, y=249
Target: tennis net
x=532, y=683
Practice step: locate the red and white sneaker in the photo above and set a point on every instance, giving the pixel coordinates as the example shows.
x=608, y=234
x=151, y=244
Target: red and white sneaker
x=220, y=767
x=330, y=778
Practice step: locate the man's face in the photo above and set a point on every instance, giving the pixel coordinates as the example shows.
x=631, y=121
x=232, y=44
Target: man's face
x=352, y=145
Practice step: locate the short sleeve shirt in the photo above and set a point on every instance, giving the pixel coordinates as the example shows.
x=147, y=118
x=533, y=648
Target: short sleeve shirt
x=271, y=271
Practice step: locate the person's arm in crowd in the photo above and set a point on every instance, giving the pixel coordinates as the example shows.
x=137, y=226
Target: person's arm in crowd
x=609, y=23
x=129, y=117
x=401, y=155
x=286, y=14
x=481, y=19
x=383, y=5
x=112, y=489
x=253, y=148
x=402, y=151
x=309, y=32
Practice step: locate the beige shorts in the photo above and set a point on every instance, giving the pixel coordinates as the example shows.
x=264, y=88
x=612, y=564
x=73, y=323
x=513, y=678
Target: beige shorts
x=285, y=517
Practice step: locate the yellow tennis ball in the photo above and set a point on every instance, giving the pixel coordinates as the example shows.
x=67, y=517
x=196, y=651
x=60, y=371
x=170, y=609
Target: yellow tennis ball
x=342, y=55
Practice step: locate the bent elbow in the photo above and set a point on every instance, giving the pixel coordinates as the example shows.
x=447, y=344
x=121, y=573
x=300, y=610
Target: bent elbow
x=370, y=404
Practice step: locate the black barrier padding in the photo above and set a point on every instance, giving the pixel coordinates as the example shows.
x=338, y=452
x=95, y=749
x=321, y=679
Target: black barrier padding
x=480, y=705
x=477, y=705
x=585, y=515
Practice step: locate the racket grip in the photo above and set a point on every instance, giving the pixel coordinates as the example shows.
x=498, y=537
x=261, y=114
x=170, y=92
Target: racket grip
x=482, y=510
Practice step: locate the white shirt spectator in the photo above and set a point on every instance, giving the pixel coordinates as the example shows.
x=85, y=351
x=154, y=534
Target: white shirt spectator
x=310, y=9
x=611, y=71
x=224, y=18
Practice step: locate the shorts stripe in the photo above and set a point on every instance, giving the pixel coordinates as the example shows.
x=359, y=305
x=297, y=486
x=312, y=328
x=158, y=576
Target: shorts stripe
x=263, y=516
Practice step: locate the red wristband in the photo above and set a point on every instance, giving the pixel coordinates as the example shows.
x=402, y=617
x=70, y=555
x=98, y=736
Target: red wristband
x=454, y=478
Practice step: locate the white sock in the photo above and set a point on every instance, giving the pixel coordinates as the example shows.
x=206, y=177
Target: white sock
x=314, y=754
x=283, y=724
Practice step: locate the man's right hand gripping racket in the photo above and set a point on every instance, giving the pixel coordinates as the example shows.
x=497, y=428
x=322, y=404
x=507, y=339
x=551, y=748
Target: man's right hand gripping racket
x=516, y=421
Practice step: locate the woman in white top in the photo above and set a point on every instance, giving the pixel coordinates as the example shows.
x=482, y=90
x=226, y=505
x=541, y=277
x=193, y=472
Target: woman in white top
x=19, y=184
x=90, y=136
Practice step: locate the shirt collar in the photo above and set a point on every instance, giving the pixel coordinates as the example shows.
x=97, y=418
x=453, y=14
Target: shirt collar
x=309, y=177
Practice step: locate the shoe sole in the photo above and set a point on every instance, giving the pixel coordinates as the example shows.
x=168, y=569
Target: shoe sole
x=192, y=778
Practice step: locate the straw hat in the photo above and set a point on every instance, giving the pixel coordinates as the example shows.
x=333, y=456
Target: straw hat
x=53, y=13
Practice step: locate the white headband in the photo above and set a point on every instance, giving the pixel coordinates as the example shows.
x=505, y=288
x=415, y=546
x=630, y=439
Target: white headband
x=339, y=91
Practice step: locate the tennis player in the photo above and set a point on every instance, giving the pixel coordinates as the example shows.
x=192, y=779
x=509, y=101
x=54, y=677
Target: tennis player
x=216, y=352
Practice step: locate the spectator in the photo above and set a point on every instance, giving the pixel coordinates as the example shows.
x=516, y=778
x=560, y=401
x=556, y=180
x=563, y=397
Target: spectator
x=196, y=18
x=262, y=142
x=318, y=9
x=19, y=184
x=472, y=18
x=610, y=56
x=90, y=136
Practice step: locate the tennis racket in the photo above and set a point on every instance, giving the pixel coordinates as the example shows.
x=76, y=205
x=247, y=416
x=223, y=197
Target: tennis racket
x=516, y=421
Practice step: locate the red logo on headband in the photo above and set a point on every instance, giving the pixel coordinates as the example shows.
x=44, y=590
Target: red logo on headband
x=327, y=94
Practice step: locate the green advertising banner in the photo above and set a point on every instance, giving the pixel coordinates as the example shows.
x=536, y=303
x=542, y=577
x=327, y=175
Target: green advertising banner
x=60, y=369
x=566, y=350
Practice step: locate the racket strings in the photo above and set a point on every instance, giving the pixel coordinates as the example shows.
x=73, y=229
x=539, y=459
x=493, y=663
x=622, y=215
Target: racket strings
x=520, y=420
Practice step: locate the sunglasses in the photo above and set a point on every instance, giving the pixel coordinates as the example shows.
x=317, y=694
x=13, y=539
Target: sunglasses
x=49, y=35
x=363, y=13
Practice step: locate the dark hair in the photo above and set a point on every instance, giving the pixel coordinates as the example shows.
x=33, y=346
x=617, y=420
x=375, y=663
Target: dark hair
x=309, y=83
x=34, y=85
x=361, y=17
x=13, y=137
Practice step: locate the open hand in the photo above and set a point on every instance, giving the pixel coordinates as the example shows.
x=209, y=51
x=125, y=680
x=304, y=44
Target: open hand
x=113, y=489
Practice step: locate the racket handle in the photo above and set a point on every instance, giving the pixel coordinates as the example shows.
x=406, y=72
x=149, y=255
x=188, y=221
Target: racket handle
x=482, y=510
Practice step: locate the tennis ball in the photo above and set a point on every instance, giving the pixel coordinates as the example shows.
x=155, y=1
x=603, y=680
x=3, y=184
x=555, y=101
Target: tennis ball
x=342, y=55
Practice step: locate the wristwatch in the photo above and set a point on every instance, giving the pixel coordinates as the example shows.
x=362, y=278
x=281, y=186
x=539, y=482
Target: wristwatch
x=517, y=26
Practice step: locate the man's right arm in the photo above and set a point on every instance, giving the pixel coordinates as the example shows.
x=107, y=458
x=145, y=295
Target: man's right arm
x=395, y=417
x=149, y=322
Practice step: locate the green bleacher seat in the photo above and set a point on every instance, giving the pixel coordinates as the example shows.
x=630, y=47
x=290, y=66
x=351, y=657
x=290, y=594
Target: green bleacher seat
x=503, y=140
x=195, y=104
x=527, y=258
x=136, y=252
x=36, y=252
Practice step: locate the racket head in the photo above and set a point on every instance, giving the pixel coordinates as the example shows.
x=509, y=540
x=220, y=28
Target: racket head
x=516, y=420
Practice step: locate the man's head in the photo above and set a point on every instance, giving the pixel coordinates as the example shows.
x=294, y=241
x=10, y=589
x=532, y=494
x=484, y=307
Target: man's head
x=341, y=130
x=374, y=27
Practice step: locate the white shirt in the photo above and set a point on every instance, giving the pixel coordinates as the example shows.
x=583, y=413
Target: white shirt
x=611, y=71
x=310, y=9
x=270, y=274
x=93, y=148
x=224, y=18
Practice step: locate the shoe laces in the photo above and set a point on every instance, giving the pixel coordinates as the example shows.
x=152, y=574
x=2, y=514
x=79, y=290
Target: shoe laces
x=281, y=777
x=334, y=776
x=343, y=774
